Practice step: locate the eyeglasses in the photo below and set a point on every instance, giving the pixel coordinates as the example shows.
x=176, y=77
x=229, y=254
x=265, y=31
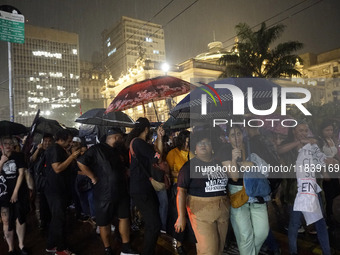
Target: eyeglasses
x=204, y=143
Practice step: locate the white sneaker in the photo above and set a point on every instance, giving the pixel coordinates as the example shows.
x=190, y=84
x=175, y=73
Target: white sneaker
x=112, y=228
x=97, y=230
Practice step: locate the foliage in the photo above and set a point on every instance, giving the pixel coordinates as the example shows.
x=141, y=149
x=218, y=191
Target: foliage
x=252, y=56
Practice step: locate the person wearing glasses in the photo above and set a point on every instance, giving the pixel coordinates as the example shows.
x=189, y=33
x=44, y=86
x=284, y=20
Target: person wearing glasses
x=202, y=193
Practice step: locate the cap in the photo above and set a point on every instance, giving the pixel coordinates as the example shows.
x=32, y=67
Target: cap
x=142, y=123
x=76, y=139
x=113, y=131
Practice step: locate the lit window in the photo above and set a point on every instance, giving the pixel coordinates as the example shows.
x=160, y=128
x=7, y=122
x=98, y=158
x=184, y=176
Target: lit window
x=148, y=39
x=111, y=52
x=155, y=51
x=108, y=44
x=47, y=54
x=75, y=51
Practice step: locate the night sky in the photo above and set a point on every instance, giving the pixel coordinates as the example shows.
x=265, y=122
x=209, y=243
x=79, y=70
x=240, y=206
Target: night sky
x=315, y=23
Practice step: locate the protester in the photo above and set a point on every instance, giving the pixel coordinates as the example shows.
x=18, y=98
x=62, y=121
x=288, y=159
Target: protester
x=203, y=194
x=84, y=190
x=176, y=158
x=58, y=189
x=14, y=202
x=329, y=145
x=141, y=190
x=289, y=151
x=39, y=166
x=249, y=218
x=102, y=164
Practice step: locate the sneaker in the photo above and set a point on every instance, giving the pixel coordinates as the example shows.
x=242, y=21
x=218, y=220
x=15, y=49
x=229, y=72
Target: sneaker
x=51, y=250
x=163, y=232
x=65, y=252
x=11, y=253
x=24, y=251
x=97, y=230
x=108, y=251
x=301, y=230
x=129, y=251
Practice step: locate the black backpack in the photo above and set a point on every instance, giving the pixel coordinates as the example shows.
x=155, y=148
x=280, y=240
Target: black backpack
x=40, y=172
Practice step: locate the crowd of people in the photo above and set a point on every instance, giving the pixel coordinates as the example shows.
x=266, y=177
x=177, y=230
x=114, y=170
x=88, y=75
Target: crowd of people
x=189, y=185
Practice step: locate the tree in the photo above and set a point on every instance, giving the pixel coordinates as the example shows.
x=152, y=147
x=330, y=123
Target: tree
x=252, y=56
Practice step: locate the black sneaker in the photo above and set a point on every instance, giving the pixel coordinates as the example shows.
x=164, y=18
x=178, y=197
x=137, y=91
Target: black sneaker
x=108, y=251
x=11, y=253
x=129, y=251
x=24, y=251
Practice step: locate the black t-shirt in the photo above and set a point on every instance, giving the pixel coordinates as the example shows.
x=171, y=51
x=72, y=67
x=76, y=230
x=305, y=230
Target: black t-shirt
x=105, y=162
x=210, y=184
x=145, y=157
x=57, y=183
x=9, y=175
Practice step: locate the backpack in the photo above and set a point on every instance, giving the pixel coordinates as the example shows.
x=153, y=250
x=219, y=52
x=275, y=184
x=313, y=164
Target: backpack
x=39, y=170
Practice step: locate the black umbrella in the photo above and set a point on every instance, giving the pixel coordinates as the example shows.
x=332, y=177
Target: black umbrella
x=46, y=126
x=98, y=117
x=11, y=128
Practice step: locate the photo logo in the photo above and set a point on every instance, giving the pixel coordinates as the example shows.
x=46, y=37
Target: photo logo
x=238, y=99
x=204, y=97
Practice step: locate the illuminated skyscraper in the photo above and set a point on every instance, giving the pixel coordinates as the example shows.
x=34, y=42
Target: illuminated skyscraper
x=46, y=75
x=130, y=39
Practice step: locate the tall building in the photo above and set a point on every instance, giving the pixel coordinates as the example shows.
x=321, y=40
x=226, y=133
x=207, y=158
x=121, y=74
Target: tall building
x=46, y=75
x=128, y=40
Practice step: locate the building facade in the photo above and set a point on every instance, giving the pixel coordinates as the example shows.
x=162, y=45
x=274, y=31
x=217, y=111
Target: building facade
x=92, y=79
x=128, y=40
x=191, y=70
x=46, y=75
x=323, y=71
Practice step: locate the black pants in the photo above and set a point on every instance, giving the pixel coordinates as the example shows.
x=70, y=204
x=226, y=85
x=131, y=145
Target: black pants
x=44, y=210
x=56, y=233
x=148, y=205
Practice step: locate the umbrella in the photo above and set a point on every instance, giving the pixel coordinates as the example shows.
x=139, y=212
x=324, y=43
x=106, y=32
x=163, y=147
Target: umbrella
x=48, y=126
x=148, y=90
x=97, y=116
x=220, y=103
x=11, y=128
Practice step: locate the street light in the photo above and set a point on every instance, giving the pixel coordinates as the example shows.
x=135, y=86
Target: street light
x=165, y=67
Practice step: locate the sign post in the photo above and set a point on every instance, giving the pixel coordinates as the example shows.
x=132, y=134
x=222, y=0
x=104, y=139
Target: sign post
x=12, y=29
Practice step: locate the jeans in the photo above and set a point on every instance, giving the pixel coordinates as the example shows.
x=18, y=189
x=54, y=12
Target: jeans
x=250, y=224
x=321, y=229
x=148, y=205
x=56, y=233
x=86, y=202
x=163, y=207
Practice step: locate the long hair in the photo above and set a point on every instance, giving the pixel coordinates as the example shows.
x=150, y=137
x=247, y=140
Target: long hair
x=139, y=128
x=181, y=139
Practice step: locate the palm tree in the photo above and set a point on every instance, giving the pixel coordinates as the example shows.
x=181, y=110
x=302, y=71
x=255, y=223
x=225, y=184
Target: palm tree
x=252, y=56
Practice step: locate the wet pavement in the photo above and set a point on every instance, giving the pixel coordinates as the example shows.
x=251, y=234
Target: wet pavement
x=83, y=239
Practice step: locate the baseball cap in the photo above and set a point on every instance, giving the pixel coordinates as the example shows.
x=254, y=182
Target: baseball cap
x=76, y=139
x=113, y=131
